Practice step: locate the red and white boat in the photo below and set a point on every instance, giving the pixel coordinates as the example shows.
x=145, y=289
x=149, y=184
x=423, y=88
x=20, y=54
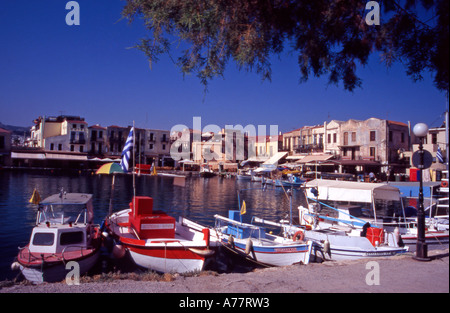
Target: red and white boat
x=156, y=241
x=64, y=232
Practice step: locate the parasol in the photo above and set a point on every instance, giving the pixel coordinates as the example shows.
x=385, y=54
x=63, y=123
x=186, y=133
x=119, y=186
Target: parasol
x=110, y=168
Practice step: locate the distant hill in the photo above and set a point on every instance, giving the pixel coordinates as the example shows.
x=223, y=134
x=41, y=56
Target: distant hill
x=16, y=130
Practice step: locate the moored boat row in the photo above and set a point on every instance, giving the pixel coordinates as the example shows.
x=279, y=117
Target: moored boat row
x=154, y=240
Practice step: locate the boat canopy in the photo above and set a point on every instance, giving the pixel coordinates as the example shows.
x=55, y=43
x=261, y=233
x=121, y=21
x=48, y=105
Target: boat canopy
x=66, y=207
x=275, y=158
x=411, y=189
x=333, y=190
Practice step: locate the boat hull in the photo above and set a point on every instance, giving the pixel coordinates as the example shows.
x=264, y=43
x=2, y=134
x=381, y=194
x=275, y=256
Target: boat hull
x=271, y=255
x=167, y=261
x=57, y=271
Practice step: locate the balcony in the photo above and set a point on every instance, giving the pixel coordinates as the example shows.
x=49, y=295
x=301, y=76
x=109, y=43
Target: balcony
x=78, y=142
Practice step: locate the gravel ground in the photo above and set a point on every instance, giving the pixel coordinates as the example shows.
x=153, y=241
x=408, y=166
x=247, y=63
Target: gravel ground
x=399, y=274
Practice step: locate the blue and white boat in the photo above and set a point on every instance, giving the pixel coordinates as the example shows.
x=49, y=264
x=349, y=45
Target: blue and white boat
x=255, y=244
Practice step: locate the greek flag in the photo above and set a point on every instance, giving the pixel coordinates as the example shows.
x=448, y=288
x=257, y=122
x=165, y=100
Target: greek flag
x=439, y=155
x=126, y=153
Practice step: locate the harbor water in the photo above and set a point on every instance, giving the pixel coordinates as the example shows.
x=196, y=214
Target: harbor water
x=198, y=200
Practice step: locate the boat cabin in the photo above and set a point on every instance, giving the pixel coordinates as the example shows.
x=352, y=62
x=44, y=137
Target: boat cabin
x=63, y=223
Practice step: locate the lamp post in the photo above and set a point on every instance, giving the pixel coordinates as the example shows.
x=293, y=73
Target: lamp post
x=420, y=130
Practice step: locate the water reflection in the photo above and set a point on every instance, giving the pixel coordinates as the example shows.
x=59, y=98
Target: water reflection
x=199, y=200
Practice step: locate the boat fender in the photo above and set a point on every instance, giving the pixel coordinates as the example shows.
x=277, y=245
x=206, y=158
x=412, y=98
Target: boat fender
x=326, y=248
x=444, y=184
x=118, y=251
x=249, y=246
x=364, y=231
x=231, y=241
x=398, y=237
x=205, y=253
x=206, y=236
x=299, y=235
x=15, y=266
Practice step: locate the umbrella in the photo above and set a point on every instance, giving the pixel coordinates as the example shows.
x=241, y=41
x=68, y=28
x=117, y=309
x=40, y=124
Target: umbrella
x=110, y=168
x=35, y=198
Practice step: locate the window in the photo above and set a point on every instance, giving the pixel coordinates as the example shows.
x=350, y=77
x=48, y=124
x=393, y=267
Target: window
x=2, y=142
x=72, y=148
x=43, y=239
x=345, y=138
x=71, y=238
x=403, y=137
x=353, y=136
x=334, y=137
x=150, y=146
x=434, y=138
x=52, y=146
x=372, y=151
x=164, y=147
x=372, y=135
x=60, y=147
x=329, y=138
x=81, y=148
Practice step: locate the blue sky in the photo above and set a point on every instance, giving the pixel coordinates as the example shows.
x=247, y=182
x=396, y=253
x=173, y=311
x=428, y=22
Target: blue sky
x=49, y=68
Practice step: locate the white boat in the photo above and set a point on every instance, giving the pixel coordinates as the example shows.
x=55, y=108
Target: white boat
x=64, y=232
x=155, y=241
x=206, y=171
x=379, y=204
x=254, y=244
x=244, y=175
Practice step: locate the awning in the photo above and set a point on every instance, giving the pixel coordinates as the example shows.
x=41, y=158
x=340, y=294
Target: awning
x=57, y=156
x=275, y=158
x=411, y=189
x=333, y=190
x=315, y=158
x=24, y=155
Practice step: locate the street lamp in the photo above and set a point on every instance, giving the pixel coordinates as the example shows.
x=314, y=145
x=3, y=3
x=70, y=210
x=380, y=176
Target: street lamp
x=420, y=130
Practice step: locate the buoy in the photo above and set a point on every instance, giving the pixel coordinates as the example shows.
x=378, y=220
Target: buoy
x=299, y=235
x=398, y=237
x=15, y=266
x=249, y=246
x=118, y=251
x=231, y=240
x=327, y=248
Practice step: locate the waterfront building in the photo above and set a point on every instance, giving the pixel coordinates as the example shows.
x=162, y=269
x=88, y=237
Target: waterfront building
x=156, y=147
x=63, y=133
x=97, y=140
x=5, y=147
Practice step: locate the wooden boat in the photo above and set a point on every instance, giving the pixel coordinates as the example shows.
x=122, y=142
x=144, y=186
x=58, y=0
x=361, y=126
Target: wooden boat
x=155, y=241
x=375, y=203
x=64, y=232
x=253, y=243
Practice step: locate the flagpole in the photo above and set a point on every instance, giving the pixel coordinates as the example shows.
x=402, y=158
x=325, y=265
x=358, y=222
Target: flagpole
x=134, y=167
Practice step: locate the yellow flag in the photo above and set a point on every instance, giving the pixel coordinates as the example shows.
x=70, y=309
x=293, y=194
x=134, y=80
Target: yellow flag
x=35, y=198
x=243, y=208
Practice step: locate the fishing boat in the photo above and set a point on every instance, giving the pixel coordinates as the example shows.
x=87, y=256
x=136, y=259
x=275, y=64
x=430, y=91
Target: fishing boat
x=244, y=175
x=255, y=244
x=359, y=203
x=206, y=171
x=156, y=241
x=64, y=232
